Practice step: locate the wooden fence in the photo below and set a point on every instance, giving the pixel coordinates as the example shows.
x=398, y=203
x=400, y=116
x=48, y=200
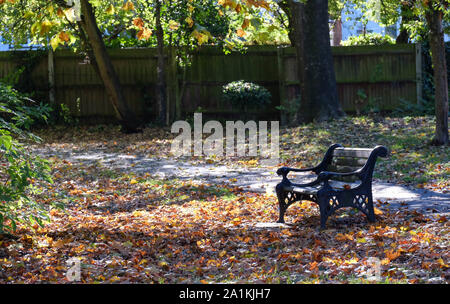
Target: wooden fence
x=379, y=75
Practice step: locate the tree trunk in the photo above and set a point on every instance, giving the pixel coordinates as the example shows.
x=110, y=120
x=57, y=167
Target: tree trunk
x=286, y=6
x=337, y=32
x=296, y=20
x=106, y=69
x=407, y=16
x=161, y=69
x=319, y=98
x=434, y=20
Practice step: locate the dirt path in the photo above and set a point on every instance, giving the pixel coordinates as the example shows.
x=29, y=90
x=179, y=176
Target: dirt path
x=251, y=179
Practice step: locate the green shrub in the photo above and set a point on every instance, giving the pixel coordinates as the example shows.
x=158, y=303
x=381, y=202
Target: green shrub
x=20, y=171
x=19, y=112
x=368, y=39
x=290, y=109
x=244, y=95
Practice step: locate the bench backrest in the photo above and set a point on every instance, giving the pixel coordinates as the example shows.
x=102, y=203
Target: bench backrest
x=345, y=160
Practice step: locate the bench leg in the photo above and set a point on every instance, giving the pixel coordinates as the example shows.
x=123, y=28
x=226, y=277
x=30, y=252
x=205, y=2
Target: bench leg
x=323, y=215
x=324, y=207
x=281, y=204
x=370, y=210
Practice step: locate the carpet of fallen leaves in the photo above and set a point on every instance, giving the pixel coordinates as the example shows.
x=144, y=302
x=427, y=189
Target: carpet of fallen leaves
x=137, y=228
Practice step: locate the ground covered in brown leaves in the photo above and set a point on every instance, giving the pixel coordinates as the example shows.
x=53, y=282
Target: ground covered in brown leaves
x=137, y=227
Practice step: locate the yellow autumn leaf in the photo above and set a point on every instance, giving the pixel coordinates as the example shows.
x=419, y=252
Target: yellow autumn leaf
x=245, y=24
x=377, y=211
x=63, y=36
x=264, y=4
x=236, y=221
x=60, y=13
x=189, y=21
x=72, y=38
x=138, y=22
x=50, y=9
x=201, y=37
x=35, y=28
x=110, y=10
x=240, y=32
x=442, y=263
x=46, y=25
x=54, y=42
x=144, y=34
x=227, y=3
x=392, y=254
x=28, y=15
x=173, y=25
x=344, y=237
x=128, y=6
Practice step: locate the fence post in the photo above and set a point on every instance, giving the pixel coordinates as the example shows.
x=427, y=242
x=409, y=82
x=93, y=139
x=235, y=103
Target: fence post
x=51, y=76
x=281, y=84
x=172, y=86
x=419, y=84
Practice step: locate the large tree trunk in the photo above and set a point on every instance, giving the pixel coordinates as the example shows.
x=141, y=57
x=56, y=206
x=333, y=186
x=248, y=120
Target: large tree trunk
x=161, y=69
x=106, y=69
x=319, y=98
x=434, y=20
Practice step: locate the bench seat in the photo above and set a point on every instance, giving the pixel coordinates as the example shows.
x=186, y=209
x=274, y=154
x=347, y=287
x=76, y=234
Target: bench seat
x=336, y=185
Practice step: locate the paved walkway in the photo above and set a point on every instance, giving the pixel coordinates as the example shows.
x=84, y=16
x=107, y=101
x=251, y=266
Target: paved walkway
x=257, y=179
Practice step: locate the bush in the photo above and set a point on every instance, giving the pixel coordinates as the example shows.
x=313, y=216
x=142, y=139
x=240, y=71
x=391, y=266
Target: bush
x=19, y=112
x=369, y=39
x=245, y=95
x=20, y=171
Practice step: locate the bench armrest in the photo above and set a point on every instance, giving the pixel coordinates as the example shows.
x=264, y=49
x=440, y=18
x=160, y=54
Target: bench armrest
x=284, y=171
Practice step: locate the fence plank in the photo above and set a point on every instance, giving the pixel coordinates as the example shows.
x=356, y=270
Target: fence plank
x=386, y=75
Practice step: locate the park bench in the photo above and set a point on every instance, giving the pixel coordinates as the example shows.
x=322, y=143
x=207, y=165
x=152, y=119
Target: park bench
x=335, y=185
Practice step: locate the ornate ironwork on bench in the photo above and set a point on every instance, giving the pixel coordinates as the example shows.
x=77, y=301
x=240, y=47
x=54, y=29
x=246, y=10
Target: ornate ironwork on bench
x=333, y=187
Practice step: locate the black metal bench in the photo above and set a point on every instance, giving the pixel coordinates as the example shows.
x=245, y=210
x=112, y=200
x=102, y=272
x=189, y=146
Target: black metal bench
x=332, y=189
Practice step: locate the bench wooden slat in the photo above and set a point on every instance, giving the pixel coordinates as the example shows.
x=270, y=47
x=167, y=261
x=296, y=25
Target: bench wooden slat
x=353, y=152
x=343, y=169
x=349, y=161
